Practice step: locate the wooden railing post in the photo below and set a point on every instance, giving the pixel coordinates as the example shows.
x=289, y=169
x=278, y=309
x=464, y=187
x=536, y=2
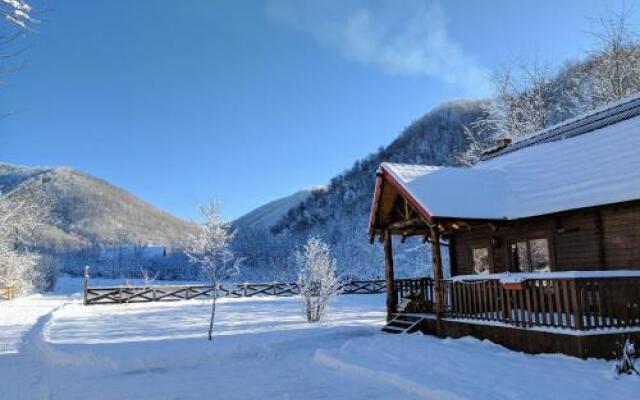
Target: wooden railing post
x=576, y=305
x=85, y=285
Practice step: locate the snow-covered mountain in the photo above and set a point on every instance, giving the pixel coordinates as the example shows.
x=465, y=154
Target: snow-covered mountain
x=265, y=216
x=80, y=209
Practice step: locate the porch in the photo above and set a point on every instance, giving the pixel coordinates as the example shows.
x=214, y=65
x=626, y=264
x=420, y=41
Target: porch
x=579, y=313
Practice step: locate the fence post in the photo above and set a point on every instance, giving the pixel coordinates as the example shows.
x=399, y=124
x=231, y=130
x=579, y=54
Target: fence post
x=85, y=282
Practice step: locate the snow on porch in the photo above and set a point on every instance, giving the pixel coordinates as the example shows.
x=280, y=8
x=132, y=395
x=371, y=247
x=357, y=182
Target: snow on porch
x=513, y=277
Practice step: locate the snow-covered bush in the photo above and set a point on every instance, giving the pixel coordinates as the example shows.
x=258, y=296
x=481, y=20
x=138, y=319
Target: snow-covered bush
x=210, y=251
x=317, y=278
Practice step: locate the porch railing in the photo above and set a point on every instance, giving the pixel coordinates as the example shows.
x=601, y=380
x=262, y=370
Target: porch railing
x=567, y=303
x=423, y=287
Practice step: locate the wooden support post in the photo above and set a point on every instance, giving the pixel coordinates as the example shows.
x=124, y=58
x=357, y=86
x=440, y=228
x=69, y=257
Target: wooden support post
x=437, y=276
x=85, y=284
x=392, y=307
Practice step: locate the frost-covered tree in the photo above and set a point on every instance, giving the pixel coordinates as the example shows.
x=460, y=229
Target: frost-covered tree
x=317, y=278
x=17, y=13
x=532, y=96
x=614, y=71
x=18, y=224
x=18, y=18
x=210, y=252
x=528, y=98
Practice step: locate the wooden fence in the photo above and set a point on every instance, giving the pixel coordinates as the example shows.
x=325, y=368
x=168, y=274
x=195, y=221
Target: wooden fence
x=569, y=303
x=142, y=294
x=7, y=293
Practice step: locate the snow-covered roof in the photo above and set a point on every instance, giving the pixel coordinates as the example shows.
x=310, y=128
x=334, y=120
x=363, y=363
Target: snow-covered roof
x=592, y=168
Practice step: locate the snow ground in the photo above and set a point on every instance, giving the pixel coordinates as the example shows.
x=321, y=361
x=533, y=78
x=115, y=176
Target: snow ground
x=55, y=348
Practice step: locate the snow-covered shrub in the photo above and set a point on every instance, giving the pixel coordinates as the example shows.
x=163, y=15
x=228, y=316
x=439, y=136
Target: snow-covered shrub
x=317, y=278
x=626, y=359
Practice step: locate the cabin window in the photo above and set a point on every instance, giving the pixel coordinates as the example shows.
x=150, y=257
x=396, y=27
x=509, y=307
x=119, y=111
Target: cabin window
x=480, y=257
x=531, y=255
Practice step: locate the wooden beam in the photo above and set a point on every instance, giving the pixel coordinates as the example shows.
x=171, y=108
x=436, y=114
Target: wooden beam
x=392, y=307
x=412, y=223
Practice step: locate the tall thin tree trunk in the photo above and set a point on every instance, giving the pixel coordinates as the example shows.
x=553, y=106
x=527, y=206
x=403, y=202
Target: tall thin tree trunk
x=213, y=313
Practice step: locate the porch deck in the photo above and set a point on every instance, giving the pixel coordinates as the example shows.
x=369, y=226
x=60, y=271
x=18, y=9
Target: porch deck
x=580, y=314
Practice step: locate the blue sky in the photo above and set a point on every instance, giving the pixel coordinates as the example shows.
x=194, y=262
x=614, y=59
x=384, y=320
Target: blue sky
x=246, y=101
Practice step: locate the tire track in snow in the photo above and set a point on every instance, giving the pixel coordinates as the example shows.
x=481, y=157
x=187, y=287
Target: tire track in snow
x=323, y=358
x=36, y=349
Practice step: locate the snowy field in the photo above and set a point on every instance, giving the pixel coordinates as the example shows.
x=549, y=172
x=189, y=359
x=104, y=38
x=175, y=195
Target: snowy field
x=52, y=347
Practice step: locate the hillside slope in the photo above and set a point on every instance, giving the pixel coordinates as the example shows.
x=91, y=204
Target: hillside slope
x=80, y=209
x=267, y=215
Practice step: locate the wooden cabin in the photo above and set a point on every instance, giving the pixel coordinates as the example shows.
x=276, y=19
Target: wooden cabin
x=543, y=238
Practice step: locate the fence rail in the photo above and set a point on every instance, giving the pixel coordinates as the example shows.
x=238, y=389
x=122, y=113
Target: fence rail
x=568, y=303
x=143, y=294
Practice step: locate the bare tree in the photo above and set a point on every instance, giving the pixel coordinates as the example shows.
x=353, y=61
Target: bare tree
x=148, y=277
x=528, y=97
x=615, y=70
x=18, y=17
x=17, y=13
x=316, y=278
x=478, y=137
x=210, y=251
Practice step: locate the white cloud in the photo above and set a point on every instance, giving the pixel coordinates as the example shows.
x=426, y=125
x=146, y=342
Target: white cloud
x=402, y=37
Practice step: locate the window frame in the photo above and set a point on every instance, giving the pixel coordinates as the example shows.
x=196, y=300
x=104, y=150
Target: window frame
x=514, y=261
x=480, y=245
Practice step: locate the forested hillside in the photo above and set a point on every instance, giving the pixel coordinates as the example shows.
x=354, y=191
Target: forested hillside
x=80, y=220
x=79, y=209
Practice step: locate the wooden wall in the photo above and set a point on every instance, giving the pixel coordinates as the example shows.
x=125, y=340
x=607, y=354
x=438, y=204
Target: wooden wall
x=600, y=238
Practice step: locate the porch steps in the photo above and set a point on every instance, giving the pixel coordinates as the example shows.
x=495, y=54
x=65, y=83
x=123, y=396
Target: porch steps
x=403, y=323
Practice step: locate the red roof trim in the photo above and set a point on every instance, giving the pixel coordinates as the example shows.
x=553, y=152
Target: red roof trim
x=374, y=204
